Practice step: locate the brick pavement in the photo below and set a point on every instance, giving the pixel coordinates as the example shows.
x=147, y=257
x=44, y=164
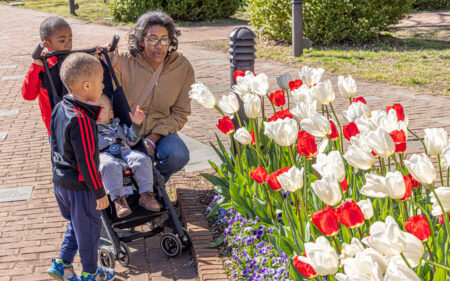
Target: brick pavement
x=426, y=20
x=31, y=231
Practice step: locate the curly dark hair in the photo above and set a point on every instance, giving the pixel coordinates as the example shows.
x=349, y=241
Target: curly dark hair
x=144, y=22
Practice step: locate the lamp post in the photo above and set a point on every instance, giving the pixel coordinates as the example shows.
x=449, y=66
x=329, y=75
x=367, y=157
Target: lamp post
x=297, y=27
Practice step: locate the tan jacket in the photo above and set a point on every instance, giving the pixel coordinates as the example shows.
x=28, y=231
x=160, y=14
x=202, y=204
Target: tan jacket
x=167, y=107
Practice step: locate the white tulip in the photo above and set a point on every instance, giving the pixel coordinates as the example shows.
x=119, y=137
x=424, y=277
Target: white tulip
x=321, y=256
x=363, y=265
x=311, y=75
x=328, y=190
x=360, y=140
x=356, y=110
x=414, y=249
x=291, y=180
x=331, y=164
x=386, y=237
x=381, y=259
x=421, y=168
x=397, y=270
x=283, y=80
x=243, y=83
x=242, y=135
x=347, y=87
x=367, y=208
x=324, y=92
x=350, y=250
x=392, y=185
x=303, y=110
x=228, y=104
x=365, y=124
x=260, y=84
x=252, y=105
x=316, y=125
x=303, y=94
x=446, y=155
x=443, y=193
x=359, y=158
x=283, y=131
x=359, y=277
x=201, y=94
x=435, y=140
x=381, y=143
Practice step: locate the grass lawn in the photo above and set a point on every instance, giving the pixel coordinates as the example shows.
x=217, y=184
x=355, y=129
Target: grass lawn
x=418, y=58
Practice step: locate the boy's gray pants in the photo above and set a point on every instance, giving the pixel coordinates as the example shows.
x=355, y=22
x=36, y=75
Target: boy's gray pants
x=112, y=175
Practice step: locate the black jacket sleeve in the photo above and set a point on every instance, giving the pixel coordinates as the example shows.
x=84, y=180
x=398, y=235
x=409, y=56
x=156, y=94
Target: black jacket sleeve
x=82, y=140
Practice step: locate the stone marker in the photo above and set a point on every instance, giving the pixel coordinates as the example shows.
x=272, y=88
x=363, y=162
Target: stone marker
x=9, y=112
x=3, y=135
x=15, y=193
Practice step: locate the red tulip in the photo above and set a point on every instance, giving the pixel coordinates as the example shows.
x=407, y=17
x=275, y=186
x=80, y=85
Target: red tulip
x=344, y=184
x=272, y=178
x=225, y=125
x=350, y=130
x=306, y=145
x=326, y=221
x=295, y=84
x=304, y=268
x=359, y=99
x=441, y=218
x=399, y=139
x=398, y=109
x=259, y=174
x=281, y=114
x=350, y=214
x=408, y=186
x=252, y=133
x=277, y=98
x=238, y=73
x=419, y=227
x=414, y=183
x=334, y=132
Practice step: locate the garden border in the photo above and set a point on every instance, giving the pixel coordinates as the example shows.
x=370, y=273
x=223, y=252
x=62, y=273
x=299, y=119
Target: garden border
x=209, y=264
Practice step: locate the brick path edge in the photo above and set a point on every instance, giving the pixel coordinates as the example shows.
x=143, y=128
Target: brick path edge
x=209, y=264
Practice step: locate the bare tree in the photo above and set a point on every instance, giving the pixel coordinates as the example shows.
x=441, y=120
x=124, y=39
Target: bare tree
x=73, y=7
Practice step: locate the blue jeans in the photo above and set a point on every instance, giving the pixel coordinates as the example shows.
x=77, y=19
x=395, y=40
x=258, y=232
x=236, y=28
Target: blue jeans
x=171, y=155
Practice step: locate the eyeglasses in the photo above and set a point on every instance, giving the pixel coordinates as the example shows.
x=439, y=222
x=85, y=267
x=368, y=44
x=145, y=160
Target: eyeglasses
x=155, y=42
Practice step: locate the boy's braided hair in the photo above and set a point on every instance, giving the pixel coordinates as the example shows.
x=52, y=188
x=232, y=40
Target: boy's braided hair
x=51, y=25
x=78, y=67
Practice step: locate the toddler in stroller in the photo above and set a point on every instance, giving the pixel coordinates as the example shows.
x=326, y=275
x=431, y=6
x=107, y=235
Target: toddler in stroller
x=114, y=141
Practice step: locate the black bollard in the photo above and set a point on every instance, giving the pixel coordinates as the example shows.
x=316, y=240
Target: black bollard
x=297, y=27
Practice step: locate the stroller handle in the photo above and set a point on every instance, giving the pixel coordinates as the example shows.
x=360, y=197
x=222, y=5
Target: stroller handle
x=40, y=47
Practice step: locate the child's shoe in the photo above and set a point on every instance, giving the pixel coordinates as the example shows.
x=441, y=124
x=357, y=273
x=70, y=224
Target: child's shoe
x=62, y=272
x=122, y=208
x=102, y=274
x=149, y=202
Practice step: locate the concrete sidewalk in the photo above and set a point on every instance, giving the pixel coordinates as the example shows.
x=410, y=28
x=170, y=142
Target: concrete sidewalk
x=31, y=231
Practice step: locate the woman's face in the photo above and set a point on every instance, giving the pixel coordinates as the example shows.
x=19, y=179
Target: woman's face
x=156, y=43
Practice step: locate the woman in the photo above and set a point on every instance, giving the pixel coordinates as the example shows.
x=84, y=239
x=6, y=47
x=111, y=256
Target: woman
x=152, y=46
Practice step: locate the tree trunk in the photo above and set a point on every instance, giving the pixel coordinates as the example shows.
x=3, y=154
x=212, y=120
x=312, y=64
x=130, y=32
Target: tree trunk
x=72, y=7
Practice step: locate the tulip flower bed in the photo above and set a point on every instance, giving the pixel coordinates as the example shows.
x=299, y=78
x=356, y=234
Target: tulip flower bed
x=340, y=200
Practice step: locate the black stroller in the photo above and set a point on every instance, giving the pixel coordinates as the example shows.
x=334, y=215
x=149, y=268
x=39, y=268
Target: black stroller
x=173, y=242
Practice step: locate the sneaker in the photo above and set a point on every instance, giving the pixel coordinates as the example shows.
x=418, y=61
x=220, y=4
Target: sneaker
x=149, y=202
x=102, y=274
x=122, y=208
x=62, y=272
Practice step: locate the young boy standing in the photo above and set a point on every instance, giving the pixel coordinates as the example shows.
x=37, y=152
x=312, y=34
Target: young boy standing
x=56, y=35
x=78, y=188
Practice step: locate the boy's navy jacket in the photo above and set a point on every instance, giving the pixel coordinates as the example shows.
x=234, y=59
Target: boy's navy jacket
x=74, y=143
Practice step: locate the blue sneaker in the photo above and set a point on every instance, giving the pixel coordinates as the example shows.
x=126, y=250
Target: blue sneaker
x=62, y=272
x=102, y=274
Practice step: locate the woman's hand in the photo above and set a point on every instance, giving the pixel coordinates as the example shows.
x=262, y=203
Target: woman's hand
x=138, y=116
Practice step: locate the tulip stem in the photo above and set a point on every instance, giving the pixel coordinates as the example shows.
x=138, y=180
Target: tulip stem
x=273, y=106
x=396, y=162
x=406, y=261
x=406, y=209
x=350, y=100
x=220, y=110
x=419, y=139
x=337, y=245
x=436, y=264
x=429, y=252
x=360, y=233
x=384, y=166
x=288, y=100
x=259, y=155
x=291, y=155
x=340, y=128
x=239, y=119
x=440, y=168
x=270, y=201
x=236, y=144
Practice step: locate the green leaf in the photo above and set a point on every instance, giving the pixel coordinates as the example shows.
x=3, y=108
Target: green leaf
x=440, y=275
x=224, y=191
x=215, y=180
x=218, y=242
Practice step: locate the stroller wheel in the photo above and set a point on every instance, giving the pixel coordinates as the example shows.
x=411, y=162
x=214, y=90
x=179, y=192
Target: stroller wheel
x=187, y=239
x=171, y=245
x=124, y=256
x=106, y=257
